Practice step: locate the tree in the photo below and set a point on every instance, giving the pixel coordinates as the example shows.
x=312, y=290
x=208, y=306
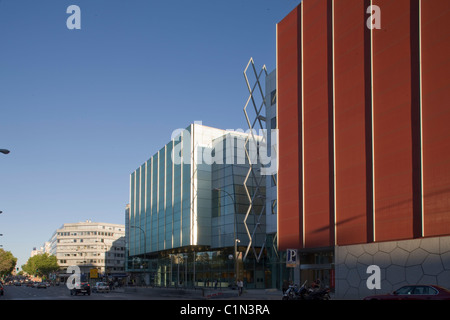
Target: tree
x=7, y=262
x=41, y=265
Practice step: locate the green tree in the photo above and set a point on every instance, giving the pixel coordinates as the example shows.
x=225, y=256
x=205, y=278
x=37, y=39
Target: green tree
x=7, y=262
x=41, y=265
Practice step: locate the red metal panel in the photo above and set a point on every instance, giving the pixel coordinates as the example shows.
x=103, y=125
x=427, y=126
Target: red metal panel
x=352, y=130
x=392, y=122
x=289, y=124
x=396, y=119
x=317, y=123
x=436, y=115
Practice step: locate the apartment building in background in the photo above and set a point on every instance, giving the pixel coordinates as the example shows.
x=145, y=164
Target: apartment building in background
x=90, y=245
x=43, y=249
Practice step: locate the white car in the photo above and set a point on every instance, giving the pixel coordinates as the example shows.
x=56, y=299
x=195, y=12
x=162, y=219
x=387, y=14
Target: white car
x=100, y=287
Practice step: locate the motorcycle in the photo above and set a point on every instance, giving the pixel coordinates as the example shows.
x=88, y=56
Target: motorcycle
x=304, y=293
x=294, y=292
x=319, y=294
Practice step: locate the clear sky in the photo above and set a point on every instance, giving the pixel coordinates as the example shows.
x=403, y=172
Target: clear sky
x=82, y=109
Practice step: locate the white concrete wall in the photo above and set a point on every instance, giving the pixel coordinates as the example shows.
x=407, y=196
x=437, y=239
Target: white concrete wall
x=271, y=191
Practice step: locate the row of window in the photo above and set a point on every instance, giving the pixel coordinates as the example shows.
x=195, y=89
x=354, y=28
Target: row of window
x=78, y=248
x=94, y=254
x=86, y=233
x=82, y=241
x=79, y=240
x=92, y=261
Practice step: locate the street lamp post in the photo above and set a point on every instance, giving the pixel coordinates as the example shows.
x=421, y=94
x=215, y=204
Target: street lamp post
x=236, y=266
x=145, y=247
x=2, y=233
x=4, y=151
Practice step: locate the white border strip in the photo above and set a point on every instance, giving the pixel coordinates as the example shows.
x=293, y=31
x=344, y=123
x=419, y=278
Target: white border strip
x=421, y=117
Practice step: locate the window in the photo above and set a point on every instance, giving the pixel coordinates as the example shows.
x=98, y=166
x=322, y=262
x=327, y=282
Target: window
x=273, y=123
x=424, y=290
x=273, y=97
x=274, y=206
x=405, y=290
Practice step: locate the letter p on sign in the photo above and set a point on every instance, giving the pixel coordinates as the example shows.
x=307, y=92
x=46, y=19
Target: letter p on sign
x=291, y=258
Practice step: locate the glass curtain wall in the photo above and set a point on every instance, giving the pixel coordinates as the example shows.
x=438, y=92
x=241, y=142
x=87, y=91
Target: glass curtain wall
x=160, y=205
x=159, y=215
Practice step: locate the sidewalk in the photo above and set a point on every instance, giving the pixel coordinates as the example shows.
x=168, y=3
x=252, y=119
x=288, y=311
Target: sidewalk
x=247, y=294
x=204, y=293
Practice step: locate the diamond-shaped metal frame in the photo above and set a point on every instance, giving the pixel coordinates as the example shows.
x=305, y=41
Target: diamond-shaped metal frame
x=252, y=124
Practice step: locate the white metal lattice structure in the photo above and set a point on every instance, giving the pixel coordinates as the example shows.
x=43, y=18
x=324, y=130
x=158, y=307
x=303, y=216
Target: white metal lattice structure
x=257, y=100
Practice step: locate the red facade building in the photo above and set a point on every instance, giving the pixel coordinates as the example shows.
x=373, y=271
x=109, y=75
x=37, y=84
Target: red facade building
x=364, y=122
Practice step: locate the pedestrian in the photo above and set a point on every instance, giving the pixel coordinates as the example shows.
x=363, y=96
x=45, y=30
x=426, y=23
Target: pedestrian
x=240, y=285
x=215, y=284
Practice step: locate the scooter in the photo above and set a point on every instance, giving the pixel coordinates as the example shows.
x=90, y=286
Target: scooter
x=294, y=292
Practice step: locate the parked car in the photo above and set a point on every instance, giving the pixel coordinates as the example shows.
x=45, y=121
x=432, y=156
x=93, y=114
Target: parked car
x=100, y=287
x=41, y=285
x=2, y=291
x=414, y=292
x=82, y=287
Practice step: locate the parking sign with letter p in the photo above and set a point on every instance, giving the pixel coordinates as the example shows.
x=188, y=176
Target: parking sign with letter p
x=291, y=258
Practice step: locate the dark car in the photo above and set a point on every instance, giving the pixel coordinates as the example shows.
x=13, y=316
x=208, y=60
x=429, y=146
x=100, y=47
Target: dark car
x=414, y=292
x=41, y=285
x=1, y=290
x=82, y=287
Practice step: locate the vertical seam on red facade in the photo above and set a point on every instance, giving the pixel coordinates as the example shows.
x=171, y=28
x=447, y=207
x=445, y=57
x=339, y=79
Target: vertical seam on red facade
x=415, y=119
x=368, y=128
x=330, y=81
x=300, y=125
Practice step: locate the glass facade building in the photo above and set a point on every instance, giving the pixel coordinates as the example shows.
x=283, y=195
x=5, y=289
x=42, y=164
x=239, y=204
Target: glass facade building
x=197, y=213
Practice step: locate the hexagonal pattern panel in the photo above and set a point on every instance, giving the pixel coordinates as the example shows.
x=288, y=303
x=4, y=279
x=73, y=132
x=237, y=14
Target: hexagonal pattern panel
x=417, y=261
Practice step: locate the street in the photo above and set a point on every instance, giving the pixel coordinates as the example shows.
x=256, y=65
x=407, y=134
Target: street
x=62, y=293
x=132, y=293
x=174, y=302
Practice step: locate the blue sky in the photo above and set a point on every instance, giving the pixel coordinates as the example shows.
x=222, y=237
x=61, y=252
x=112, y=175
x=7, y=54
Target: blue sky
x=81, y=109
